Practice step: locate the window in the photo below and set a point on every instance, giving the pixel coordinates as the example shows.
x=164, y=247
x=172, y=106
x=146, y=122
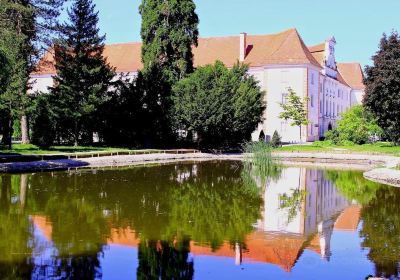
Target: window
x=284, y=97
x=312, y=100
x=326, y=108
x=312, y=78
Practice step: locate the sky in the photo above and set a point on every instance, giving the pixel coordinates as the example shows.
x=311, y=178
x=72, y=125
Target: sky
x=357, y=25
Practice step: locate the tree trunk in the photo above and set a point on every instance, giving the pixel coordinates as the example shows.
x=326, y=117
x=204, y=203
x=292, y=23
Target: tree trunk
x=7, y=132
x=300, y=134
x=24, y=130
x=76, y=135
x=23, y=189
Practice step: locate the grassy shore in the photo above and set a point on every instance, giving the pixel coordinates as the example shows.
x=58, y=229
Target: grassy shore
x=377, y=148
x=35, y=150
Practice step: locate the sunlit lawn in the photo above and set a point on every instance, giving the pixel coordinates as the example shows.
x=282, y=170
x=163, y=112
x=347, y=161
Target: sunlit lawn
x=30, y=149
x=377, y=148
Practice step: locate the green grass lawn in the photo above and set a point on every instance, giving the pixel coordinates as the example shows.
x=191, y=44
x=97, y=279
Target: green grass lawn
x=377, y=148
x=35, y=150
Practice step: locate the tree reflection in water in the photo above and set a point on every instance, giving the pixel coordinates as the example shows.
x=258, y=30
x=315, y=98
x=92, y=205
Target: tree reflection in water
x=172, y=209
x=381, y=231
x=15, y=232
x=381, y=220
x=165, y=260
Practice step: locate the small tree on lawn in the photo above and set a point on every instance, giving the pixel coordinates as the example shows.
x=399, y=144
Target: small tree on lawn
x=276, y=140
x=295, y=109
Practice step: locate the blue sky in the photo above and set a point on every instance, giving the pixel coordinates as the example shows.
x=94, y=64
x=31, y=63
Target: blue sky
x=356, y=24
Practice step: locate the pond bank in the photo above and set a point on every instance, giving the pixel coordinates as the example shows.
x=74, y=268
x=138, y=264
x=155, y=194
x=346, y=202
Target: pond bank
x=378, y=167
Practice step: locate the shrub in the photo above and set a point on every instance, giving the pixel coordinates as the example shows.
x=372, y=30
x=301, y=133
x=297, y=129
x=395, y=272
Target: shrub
x=357, y=126
x=276, y=140
x=43, y=132
x=333, y=136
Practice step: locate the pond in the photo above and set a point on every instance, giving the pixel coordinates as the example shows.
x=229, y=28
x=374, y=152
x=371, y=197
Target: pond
x=197, y=221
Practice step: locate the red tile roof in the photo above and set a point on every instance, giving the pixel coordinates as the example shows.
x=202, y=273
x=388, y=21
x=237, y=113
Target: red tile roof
x=353, y=75
x=285, y=48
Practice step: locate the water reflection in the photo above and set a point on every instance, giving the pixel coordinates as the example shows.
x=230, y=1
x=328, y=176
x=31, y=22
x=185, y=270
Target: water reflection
x=180, y=221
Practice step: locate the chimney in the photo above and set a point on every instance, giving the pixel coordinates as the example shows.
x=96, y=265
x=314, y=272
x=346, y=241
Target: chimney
x=243, y=46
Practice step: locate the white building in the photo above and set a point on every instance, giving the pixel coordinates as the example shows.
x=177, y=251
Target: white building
x=278, y=61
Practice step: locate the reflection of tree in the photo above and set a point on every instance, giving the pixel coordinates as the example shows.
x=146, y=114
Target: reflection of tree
x=292, y=202
x=79, y=233
x=381, y=231
x=353, y=185
x=214, y=212
x=173, y=204
x=165, y=260
x=79, y=229
x=15, y=233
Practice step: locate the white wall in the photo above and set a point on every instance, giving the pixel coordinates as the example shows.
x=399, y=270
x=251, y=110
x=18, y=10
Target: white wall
x=335, y=99
x=313, y=105
x=40, y=84
x=279, y=80
x=357, y=97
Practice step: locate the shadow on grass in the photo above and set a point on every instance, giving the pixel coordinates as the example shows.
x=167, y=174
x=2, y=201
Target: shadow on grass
x=41, y=166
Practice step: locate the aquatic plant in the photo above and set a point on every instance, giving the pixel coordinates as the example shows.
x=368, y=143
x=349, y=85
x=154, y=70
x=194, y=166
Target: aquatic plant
x=259, y=165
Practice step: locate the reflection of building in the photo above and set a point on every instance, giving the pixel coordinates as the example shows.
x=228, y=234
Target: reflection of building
x=279, y=238
x=320, y=202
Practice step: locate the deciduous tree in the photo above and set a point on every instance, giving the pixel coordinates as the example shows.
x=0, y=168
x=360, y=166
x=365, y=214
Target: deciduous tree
x=382, y=96
x=295, y=110
x=222, y=106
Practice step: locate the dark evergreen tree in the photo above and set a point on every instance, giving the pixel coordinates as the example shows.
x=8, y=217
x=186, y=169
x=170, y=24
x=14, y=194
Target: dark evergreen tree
x=276, y=140
x=382, y=82
x=169, y=30
x=84, y=77
x=26, y=29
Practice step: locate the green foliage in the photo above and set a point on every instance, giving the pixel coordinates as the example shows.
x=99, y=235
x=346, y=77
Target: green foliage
x=83, y=76
x=295, y=110
x=326, y=143
x=165, y=260
x=383, y=86
x=380, y=232
x=357, y=125
x=276, y=140
x=169, y=30
x=354, y=186
x=26, y=28
x=43, y=122
x=222, y=106
x=259, y=164
x=17, y=129
x=293, y=203
x=332, y=136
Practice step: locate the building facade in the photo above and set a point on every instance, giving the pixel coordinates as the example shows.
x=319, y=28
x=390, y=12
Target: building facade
x=278, y=61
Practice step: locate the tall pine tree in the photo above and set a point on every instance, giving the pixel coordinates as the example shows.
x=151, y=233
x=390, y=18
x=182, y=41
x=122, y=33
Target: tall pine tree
x=83, y=76
x=382, y=82
x=169, y=30
x=26, y=28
